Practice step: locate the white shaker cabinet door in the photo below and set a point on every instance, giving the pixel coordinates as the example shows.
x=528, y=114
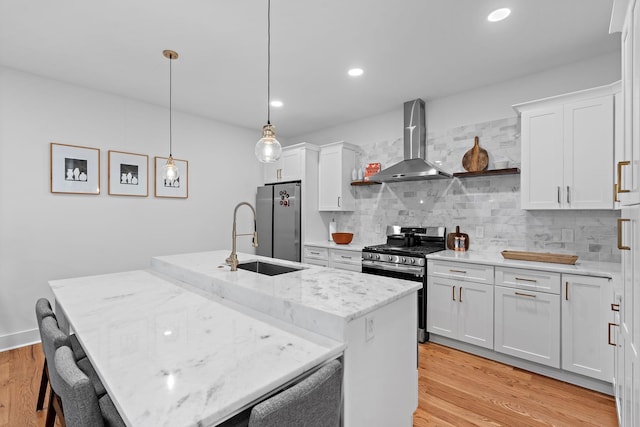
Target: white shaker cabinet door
x=586, y=314
x=588, y=153
x=542, y=158
x=442, y=307
x=475, y=319
x=527, y=325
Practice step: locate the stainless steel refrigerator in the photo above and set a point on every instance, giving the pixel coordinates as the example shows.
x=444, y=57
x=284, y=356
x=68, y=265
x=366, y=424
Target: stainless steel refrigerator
x=278, y=208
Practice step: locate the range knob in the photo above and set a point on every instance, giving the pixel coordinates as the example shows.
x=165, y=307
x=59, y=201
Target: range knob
x=413, y=260
x=390, y=257
x=404, y=260
x=378, y=256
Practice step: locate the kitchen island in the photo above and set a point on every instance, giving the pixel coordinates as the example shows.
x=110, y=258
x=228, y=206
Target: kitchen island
x=172, y=356
x=374, y=316
x=190, y=342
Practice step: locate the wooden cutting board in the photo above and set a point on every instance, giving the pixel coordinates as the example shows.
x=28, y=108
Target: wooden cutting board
x=452, y=236
x=476, y=159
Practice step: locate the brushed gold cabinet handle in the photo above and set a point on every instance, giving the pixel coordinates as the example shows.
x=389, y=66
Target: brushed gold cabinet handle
x=460, y=295
x=526, y=280
x=620, y=246
x=525, y=295
x=457, y=271
x=566, y=290
x=453, y=293
x=609, y=333
x=559, y=196
x=568, y=195
x=620, y=164
x=615, y=307
x=615, y=192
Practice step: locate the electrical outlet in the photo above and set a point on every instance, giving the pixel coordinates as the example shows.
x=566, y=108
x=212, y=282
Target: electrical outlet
x=479, y=231
x=368, y=328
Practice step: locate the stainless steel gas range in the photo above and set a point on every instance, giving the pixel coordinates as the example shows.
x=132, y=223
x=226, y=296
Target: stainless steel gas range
x=404, y=257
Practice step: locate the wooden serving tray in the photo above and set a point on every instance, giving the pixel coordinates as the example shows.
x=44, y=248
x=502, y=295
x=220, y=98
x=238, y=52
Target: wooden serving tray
x=540, y=257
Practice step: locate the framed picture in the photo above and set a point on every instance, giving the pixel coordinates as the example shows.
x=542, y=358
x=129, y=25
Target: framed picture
x=75, y=169
x=128, y=174
x=178, y=187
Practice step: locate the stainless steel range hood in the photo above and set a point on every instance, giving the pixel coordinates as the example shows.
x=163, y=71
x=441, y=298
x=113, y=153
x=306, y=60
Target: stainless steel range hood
x=414, y=167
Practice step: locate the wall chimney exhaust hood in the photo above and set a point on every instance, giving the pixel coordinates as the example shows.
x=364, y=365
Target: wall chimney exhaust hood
x=414, y=167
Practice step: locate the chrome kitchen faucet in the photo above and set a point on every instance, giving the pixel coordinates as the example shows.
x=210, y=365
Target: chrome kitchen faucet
x=232, y=260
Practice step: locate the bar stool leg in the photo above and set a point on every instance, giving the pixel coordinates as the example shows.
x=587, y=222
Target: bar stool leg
x=44, y=381
x=51, y=412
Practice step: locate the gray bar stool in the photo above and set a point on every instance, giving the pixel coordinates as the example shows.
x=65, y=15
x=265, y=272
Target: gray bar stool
x=82, y=406
x=52, y=339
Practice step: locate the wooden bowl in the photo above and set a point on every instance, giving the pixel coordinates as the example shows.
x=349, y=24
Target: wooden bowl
x=342, y=238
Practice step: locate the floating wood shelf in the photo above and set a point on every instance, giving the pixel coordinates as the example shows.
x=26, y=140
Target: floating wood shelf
x=508, y=171
x=355, y=183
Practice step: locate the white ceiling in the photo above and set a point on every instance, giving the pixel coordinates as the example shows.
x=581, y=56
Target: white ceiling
x=408, y=48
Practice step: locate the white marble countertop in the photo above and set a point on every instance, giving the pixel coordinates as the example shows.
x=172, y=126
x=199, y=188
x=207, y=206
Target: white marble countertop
x=170, y=356
x=591, y=268
x=353, y=246
x=320, y=299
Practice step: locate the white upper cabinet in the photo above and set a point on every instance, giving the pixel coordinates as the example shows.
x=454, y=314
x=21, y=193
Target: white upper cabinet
x=568, y=150
x=337, y=160
x=290, y=166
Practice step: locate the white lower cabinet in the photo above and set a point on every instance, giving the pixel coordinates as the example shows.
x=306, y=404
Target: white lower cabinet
x=316, y=256
x=586, y=334
x=344, y=259
x=460, y=310
x=527, y=325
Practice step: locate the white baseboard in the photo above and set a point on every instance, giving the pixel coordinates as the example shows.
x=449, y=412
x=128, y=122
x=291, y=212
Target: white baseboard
x=19, y=339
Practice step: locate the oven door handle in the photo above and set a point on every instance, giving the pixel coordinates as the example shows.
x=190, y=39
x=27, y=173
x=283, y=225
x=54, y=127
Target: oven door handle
x=418, y=271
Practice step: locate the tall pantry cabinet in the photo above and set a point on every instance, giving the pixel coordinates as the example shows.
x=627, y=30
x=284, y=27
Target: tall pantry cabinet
x=626, y=19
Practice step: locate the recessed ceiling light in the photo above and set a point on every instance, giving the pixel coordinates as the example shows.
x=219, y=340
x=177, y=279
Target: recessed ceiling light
x=498, y=14
x=355, y=72
x=276, y=103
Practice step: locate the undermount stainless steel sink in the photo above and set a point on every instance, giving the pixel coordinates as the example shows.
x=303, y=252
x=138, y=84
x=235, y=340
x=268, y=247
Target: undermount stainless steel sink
x=267, y=268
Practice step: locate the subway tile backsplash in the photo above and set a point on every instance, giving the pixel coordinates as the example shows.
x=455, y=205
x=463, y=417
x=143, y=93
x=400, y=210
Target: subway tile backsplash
x=486, y=208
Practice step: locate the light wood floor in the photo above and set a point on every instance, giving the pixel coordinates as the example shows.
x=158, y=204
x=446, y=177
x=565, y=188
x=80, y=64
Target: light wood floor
x=456, y=389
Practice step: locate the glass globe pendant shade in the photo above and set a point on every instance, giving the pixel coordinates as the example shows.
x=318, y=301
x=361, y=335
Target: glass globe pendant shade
x=268, y=149
x=170, y=170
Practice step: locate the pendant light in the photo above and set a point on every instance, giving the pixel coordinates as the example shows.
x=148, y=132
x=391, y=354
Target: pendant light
x=170, y=170
x=268, y=149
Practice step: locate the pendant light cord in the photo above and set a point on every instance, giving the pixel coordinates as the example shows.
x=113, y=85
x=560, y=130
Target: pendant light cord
x=170, y=108
x=268, y=62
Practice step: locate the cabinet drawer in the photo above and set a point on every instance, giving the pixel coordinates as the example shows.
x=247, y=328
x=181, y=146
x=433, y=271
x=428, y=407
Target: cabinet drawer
x=346, y=257
x=461, y=270
x=532, y=280
x=345, y=266
x=318, y=262
x=316, y=252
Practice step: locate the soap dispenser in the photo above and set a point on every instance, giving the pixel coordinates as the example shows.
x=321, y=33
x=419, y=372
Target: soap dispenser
x=333, y=226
